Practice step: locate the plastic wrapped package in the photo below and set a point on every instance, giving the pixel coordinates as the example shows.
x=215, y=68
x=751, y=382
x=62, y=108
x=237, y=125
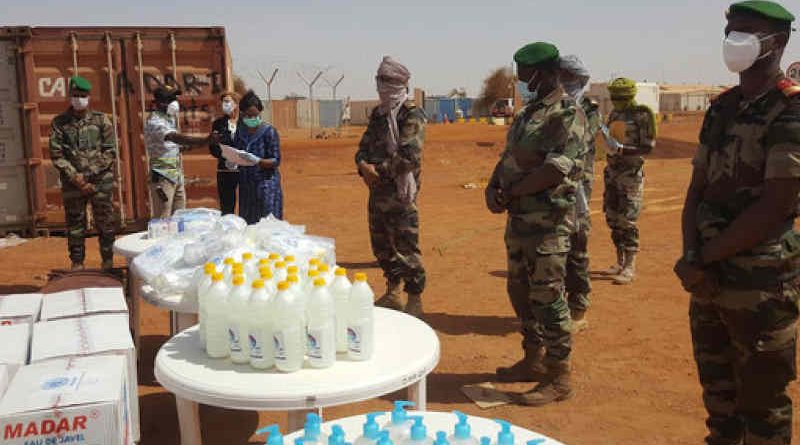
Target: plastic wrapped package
x=199, y=212
x=156, y=259
x=176, y=280
x=231, y=223
x=194, y=254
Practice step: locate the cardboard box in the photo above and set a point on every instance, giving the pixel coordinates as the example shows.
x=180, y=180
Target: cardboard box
x=20, y=308
x=15, y=342
x=79, y=400
x=83, y=302
x=4, y=379
x=88, y=336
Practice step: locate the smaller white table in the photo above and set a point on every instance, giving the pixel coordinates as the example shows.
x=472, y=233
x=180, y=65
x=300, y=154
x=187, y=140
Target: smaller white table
x=434, y=421
x=407, y=350
x=182, y=316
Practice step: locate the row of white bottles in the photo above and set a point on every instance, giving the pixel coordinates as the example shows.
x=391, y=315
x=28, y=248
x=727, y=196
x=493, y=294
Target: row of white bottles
x=255, y=322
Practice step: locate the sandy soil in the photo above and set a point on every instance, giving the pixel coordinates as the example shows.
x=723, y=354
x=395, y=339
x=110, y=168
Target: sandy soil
x=634, y=374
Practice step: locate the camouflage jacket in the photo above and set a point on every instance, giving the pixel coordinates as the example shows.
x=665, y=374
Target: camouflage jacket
x=548, y=131
x=593, y=121
x=408, y=157
x=743, y=144
x=634, y=127
x=83, y=146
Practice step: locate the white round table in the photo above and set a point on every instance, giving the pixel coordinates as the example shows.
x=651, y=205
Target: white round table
x=183, y=315
x=435, y=421
x=399, y=361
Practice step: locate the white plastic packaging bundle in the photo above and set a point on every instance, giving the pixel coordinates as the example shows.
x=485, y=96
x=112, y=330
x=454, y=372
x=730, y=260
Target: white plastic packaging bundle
x=155, y=260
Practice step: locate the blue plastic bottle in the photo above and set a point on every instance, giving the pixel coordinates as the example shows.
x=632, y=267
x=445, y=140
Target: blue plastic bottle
x=419, y=433
x=384, y=438
x=505, y=436
x=441, y=438
x=312, y=433
x=399, y=427
x=275, y=436
x=462, y=433
x=337, y=436
x=371, y=430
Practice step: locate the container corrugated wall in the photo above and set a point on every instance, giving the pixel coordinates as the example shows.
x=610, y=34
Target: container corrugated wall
x=360, y=111
x=307, y=113
x=284, y=114
x=124, y=65
x=15, y=200
x=330, y=113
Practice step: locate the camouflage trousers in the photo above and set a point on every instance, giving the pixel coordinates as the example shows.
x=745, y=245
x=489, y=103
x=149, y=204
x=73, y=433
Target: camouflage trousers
x=536, y=272
x=622, y=204
x=103, y=214
x=394, y=235
x=578, y=283
x=744, y=346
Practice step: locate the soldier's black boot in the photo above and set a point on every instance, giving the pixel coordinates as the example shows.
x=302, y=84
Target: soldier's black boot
x=528, y=369
x=77, y=253
x=555, y=387
x=391, y=299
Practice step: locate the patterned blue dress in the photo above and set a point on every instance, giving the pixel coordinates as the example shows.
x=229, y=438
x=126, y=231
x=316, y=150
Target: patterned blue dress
x=260, y=192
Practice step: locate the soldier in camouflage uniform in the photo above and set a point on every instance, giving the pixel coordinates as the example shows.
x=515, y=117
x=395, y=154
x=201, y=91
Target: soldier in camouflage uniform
x=83, y=150
x=535, y=181
x=633, y=127
x=389, y=159
x=741, y=253
x=574, y=78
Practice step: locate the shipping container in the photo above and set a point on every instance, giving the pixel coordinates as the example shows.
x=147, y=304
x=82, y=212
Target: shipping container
x=125, y=65
x=307, y=113
x=360, y=110
x=432, y=110
x=330, y=113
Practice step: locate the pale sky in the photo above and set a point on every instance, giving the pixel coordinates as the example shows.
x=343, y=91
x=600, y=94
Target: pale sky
x=445, y=43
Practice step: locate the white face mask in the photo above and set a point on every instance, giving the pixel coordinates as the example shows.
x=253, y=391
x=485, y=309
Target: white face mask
x=228, y=107
x=79, y=103
x=742, y=50
x=173, y=108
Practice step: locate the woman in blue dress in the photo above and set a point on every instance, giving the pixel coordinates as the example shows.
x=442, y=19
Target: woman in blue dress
x=260, y=192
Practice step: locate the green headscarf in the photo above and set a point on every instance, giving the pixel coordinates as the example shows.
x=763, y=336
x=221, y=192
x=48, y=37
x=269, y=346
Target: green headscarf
x=623, y=97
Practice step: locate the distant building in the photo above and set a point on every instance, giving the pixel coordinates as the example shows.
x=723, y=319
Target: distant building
x=687, y=98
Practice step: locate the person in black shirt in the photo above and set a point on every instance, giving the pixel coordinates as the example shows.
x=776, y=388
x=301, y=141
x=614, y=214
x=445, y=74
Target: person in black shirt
x=227, y=172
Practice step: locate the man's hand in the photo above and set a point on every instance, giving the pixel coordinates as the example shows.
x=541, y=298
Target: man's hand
x=86, y=188
x=696, y=280
x=369, y=173
x=495, y=199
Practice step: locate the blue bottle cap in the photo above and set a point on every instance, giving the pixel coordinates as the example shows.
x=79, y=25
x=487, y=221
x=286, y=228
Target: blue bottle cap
x=384, y=438
x=399, y=414
x=441, y=438
x=371, y=427
x=505, y=436
x=418, y=431
x=486, y=440
x=275, y=436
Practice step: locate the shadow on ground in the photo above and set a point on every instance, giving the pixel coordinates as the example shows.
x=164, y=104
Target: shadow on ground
x=472, y=324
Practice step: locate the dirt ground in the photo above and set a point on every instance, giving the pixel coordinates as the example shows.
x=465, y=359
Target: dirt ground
x=634, y=374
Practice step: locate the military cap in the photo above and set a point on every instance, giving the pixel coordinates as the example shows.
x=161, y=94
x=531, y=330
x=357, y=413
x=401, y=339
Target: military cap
x=536, y=53
x=766, y=9
x=79, y=83
x=166, y=93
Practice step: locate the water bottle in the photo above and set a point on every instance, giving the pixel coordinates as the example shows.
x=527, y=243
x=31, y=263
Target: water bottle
x=289, y=260
x=202, y=291
x=370, y=430
x=302, y=297
x=311, y=277
x=227, y=269
x=360, y=320
x=289, y=334
x=260, y=327
x=238, y=315
x=321, y=348
x=217, y=345
x=265, y=274
x=419, y=433
x=326, y=273
x=340, y=289
x=294, y=270
x=236, y=269
x=505, y=436
x=462, y=432
x=399, y=426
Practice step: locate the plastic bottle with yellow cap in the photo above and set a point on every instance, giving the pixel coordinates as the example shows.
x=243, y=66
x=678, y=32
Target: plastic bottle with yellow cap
x=238, y=316
x=237, y=269
x=265, y=274
x=321, y=315
x=340, y=289
x=326, y=273
x=250, y=267
x=289, y=332
x=209, y=269
x=227, y=269
x=217, y=344
x=361, y=320
x=260, y=326
x=279, y=270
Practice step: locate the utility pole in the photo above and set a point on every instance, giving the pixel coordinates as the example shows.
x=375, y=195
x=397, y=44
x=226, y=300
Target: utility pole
x=310, y=100
x=268, y=83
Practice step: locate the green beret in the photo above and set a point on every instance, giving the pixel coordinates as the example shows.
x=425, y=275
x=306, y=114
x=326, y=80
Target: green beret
x=622, y=87
x=770, y=10
x=79, y=83
x=535, y=53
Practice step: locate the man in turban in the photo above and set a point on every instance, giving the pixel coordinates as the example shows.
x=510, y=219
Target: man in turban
x=389, y=161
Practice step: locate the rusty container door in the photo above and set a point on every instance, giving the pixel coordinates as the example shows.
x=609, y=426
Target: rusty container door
x=196, y=61
x=124, y=66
